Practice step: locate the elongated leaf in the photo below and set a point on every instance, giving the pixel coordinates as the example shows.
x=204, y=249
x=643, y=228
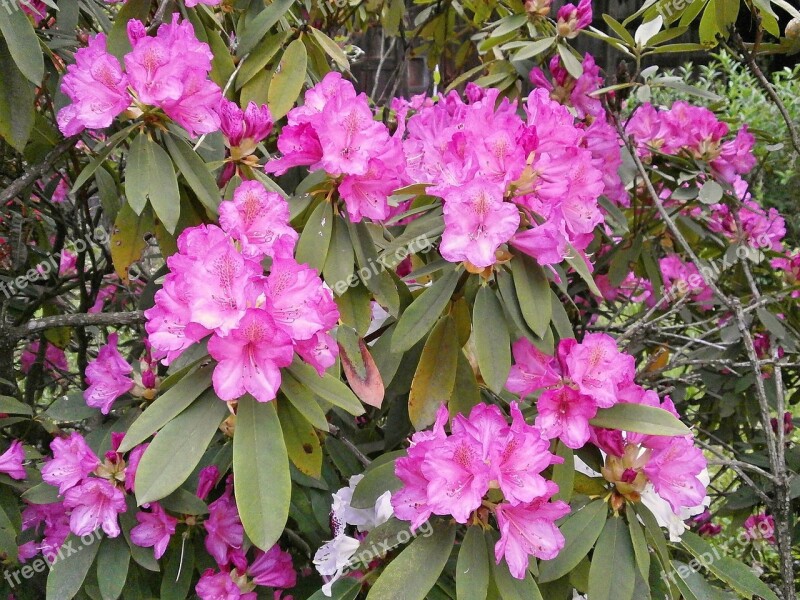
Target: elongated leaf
x=580, y=531
x=359, y=367
x=338, y=270
x=195, y=171
x=564, y=473
x=312, y=247
x=435, y=375
x=533, y=292
x=733, y=572
x=178, y=570
x=70, y=569
x=184, y=502
x=150, y=176
x=13, y=406
x=613, y=570
x=302, y=443
x=23, y=44
x=640, y=419
x=639, y=545
x=420, y=316
x=113, y=560
x=288, y=80
x=372, y=271
x=331, y=48
x=492, y=340
x=304, y=401
x=261, y=471
x=425, y=557
x=377, y=481
x=511, y=588
x=260, y=57
x=327, y=387
x=261, y=24
x=533, y=49
x=472, y=569
x=167, y=406
x=344, y=589
x=466, y=393
x=118, y=42
x=103, y=151
x=175, y=451
x=17, y=96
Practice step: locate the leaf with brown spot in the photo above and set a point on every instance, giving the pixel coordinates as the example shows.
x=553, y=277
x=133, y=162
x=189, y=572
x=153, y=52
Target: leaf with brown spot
x=360, y=368
x=436, y=374
x=128, y=239
x=302, y=443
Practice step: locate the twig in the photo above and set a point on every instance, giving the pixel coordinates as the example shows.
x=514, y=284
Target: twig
x=35, y=172
x=80, y=320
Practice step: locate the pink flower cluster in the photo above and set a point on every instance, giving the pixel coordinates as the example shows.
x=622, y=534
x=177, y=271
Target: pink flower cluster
x=168, y=71
x=682, y=278
x=11, y=461
x=216, y=286
x=452, y=474
x=692, y=131
x=108, y=376
x=497, y=172
x=581, y=378
x=335, y=131
x=594, y=374
x=571, y=18
x=55, y=360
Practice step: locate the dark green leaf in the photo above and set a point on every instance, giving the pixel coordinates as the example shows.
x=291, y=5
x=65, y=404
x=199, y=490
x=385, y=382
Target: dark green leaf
x=260, y=25
x=326, y=387
x=472, y=569
x=420, y=316
x=288, y=80
x=150, y=176
x=613, y=570
x=377, y=481
x=69, y=571
x=17, y=97
x=195, y=171
x=113, y=560
x=492, y=340
x=580, y=530
x=261, y=470
x=23, y=44
x=312, y=247
x=435, y=375
x=639, y=418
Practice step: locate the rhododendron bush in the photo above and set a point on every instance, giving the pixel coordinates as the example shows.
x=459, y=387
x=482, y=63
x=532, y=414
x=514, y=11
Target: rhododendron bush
x=263, y=334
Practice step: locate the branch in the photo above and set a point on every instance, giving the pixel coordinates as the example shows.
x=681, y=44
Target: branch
x=80, y=320
x=750, y=61
x=36, y=171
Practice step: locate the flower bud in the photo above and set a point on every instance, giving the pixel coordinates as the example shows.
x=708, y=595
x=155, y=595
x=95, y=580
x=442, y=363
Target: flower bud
x=793, y=29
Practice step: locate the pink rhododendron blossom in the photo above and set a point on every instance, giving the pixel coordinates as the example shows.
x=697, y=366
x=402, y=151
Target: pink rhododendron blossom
x=682, y=278
x=273, y=568
x=451, y=474
x=54, y=358
x=72, y=461
x=477, y=222
x=760, y=527
x=572, y=19
x=259, y=220
x=529, y=530
x=154, y=529
x=598, y=368
x=11, y=461
x=244, y=129
x=95, y=503
x=108, y=376
x=206, y=480
x=564, y=413
x=53, y=520
x=250, y=357
x=171, y=70
x=220, y=586
x=132, y=464
x=673, y=470
x=224, y=531
x=97, y=87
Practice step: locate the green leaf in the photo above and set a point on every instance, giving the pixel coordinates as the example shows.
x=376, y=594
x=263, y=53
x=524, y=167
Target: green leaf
x=344, y=589
x=9, y=522
x=613, y=570
x=288, y=80
x=13, y=406
x=338, y=270
x=142, y=556
x=709, y=29
x=373, y=271
x=580, y=531
x=70, y=408
x=68, y=573
x=42, y=493
x=312, y=247
x=639, y=418
x=150, y=176
x=359, y=367
x=509, y=587
x=472, y=568
x=620, y=30
x=175, y=451
x=492, y=340
x=128, y=239
x=564, y=473
x=113, y=560
x=733, y=572
x=726, y=11
x=435, y=375
x=195, y=171
x=261, y=471
x=639, y=545
x=260, y=57
x=331, y=48
x=326, y=387
x=377, y=481
x=102, y=151
x=425, y=557
x=184, y=502
x=533, y=292
x=533, y=49
x=17, y=98
x=302, y=443
x=167, y=406
x=420, y=316
x=466, y=393
x=260, y=25
x=576, y=261
x=710, y=193
x=304, y=401
x=178, y=570
x=118, y=42
x=23, y=44
x=571, y=64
